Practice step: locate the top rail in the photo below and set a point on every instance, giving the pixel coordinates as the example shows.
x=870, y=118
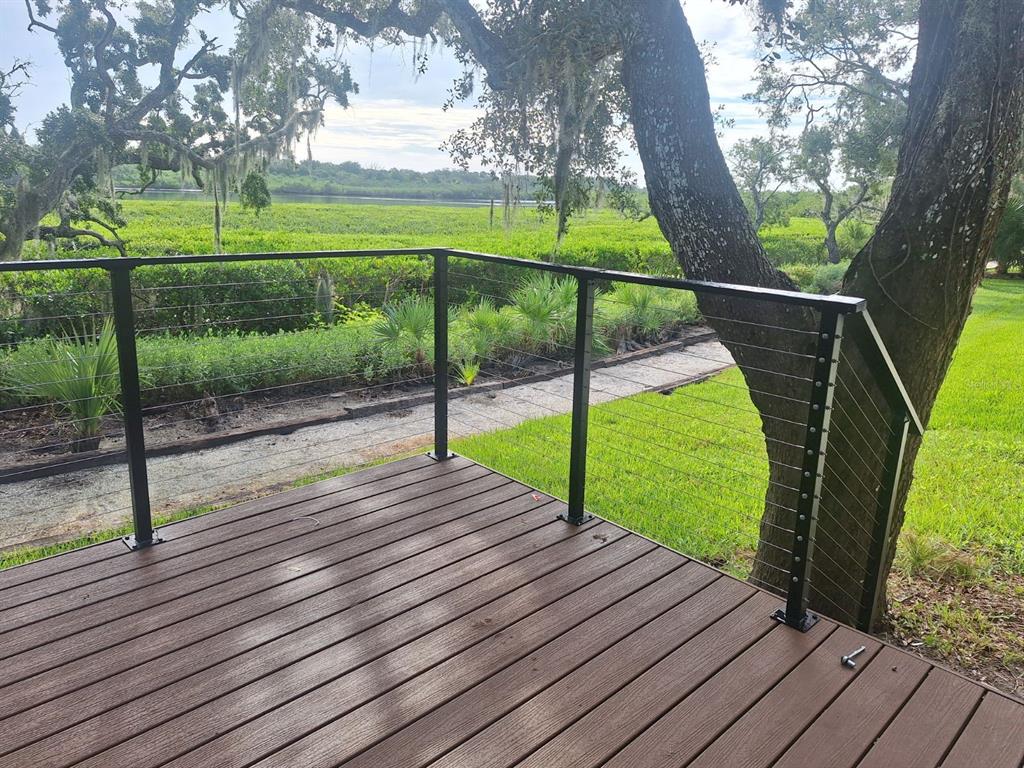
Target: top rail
x=843, y=304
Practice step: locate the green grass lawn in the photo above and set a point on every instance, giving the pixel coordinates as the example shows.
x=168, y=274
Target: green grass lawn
x=967, y=492
x=702, y=492
x=969, y=478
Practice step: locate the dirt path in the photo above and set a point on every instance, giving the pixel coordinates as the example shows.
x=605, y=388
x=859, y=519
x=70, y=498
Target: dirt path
x=77, y=502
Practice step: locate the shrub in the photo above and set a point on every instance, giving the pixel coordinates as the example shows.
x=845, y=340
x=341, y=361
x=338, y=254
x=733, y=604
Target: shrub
x=852, y=236
x=546, y=307
x=78, y=372
x=407, y=328
x=340, y=356
x=801, y=274
x=482, y=332
x=642, y=313
x=1008, y=250
x=793, y=249
x=828, y=278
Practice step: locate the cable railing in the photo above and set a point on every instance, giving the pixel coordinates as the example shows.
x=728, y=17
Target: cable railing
x=785, y=471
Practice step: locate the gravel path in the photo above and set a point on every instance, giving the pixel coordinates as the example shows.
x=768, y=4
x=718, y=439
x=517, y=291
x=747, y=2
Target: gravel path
x=77, y=502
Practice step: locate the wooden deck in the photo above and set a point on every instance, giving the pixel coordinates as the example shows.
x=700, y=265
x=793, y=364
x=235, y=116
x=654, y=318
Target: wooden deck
x=424, y=613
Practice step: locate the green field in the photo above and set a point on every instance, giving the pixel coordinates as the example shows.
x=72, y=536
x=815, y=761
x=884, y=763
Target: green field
x=597, y=237
x=967, y=491
x=158, y=227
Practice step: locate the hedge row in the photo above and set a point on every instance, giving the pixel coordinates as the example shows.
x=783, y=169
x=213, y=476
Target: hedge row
x=272, y=296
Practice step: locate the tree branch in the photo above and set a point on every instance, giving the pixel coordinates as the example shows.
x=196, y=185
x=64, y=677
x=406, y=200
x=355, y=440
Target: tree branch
x=67, y=231
x=487, y=47
x=34, y=22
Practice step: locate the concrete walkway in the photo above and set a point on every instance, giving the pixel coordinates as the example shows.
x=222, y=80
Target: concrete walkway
x=74, y=503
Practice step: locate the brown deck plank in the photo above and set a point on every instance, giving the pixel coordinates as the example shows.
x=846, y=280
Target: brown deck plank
x=176, y=600
x=927, y=725
x=398, y=562
x=263, y=538
x=229, y=594
x=845, y=731
x=684, y=730
x=565, y=697
x=758, y=738
x=994, y=737
x=54, y=566
x=325, y=594
x=272, y=675
x=618, y=604
x=438, y=615
x=520, y=732
x=503, y=545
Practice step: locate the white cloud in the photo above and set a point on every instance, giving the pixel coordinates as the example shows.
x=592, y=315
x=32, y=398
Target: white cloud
x=390, y=133
x=396, y=119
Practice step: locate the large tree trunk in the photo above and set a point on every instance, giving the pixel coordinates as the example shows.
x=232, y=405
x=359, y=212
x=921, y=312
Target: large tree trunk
x=918, y=272
x=920, y=269
x=702, y=216
x=23, y=217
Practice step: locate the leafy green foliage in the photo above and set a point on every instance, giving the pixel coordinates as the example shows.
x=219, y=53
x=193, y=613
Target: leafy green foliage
x=466, y=371
x=1008, y=249
x=253, y=192
x=642, y=313
x=407, y=328
x=128, y=105
x=828, y=278
x=761, y=166
x=79, y=373
x=545, y=305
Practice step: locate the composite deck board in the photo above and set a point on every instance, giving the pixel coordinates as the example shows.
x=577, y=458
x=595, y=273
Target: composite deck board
x=182, y=604
x=846, y=730
x=437, y=614
x=541, y=718
x=928, y=725
x=287, y=605
x=52, y=568
x=368, y=601
x=303, y=536
x=994, y=733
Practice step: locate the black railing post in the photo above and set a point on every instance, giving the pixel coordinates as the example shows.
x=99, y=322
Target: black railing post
x=440, y=451
x=131, y=404
x=580, y=401
x=888, y=492
x=826, y=362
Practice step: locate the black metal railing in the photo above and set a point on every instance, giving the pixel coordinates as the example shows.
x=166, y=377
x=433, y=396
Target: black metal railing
x=808, y=397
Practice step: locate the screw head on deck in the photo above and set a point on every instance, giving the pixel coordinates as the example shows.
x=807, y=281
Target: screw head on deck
x=848, y=660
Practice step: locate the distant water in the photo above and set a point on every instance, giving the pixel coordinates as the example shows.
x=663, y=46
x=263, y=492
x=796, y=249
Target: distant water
x=291, y=197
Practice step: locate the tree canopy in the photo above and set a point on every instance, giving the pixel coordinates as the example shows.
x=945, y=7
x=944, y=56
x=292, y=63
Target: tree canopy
x=149, y=86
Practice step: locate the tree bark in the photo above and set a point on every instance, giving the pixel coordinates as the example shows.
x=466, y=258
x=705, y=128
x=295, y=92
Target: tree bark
x=702, y=216
x=920, y=269
x=918, y=272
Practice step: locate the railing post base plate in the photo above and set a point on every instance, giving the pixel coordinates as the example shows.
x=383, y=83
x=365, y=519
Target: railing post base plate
x=807, y=621
x=133, y=544
x=585, y=518
x=436, y=457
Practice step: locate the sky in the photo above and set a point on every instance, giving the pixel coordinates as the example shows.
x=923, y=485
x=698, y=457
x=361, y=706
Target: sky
x=396, y=120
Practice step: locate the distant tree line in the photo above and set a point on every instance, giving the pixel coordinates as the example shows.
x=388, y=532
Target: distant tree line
x=313, y=177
